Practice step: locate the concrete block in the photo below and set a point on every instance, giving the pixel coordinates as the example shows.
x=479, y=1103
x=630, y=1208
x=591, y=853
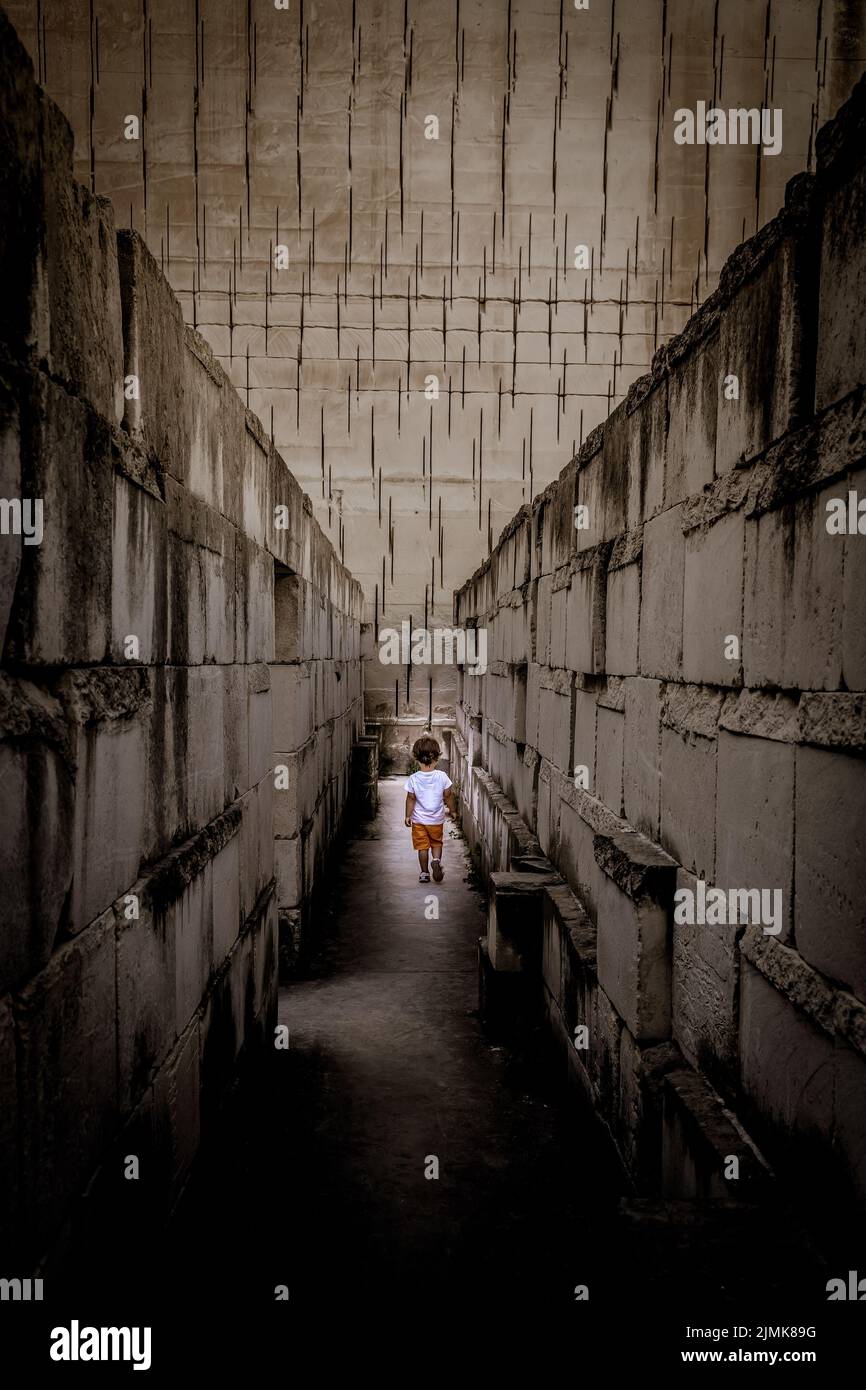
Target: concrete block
x=609, y=758
x=830, y=851
x=261, y=723
x=792, y=612
x=704, y=983
x=38, y=810
x=292, y=619
x=62, y=608
x=755, y=817
x=584, y=736
x=642, y=755
x=226, y=899
x=254, y=602
x=700, y=1137
x=146, y=1002
x=190, y=919
x=646, y=459
x=555, y=718
x=515, y=920
x=186, y=602
x=543, y=600
x=139, y=560
x=154, y=350
x=86, y=348
x=227, y=1018
x=215, y=421
x=585, y=634
x=265, y=936
x=236, y=747
x=694, y=391
x=110, y=805
x=841, y=351
x=558, y=602
x=205, y=753
x=786, y=1063
x=633, y=919
x=688, y=800
x=288, y=868
x=67, y=1071
x=642, y=1070
x=661, y=613
x=591, y=494
x=603, y=1057
x=220, y=595
x=177, y=1110
x=713, y=601
x=622, y=621
x=566, y=918
x=575, y=856
x=760, y=344
x=533, y=703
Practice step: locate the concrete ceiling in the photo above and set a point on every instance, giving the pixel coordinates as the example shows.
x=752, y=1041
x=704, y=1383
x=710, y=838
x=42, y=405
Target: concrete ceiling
x=411, y=257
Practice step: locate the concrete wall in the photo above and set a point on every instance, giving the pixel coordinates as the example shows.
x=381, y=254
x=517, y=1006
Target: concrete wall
x=411, y=257
x=148, y=689
x=677, y=694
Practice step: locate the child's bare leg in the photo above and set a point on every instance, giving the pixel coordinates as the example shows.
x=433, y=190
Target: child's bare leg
x=422, y=860
x=436, y=852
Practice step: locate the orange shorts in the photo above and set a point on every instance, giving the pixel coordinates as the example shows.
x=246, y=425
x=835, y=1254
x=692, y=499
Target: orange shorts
x=426, y=836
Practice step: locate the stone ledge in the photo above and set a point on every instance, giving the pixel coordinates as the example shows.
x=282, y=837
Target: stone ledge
x=714, y=1128
x=784, y=968
x=29, y=712
x=691, y=709
x=807, y=459
x=163, y=883
x=769, y=714
x=638, y=866
x=90, y=695
x=627, y=549
x=582, y=932
x=837, y=1012
x=201, y=349
x=833, y=720
x=611, y=694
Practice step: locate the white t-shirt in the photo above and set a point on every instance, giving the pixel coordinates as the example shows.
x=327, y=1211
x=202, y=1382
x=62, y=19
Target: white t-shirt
x=427, y=789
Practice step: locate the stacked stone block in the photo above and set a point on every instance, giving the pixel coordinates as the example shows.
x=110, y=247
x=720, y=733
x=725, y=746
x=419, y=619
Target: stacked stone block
x=694, y=655
x=141, y=658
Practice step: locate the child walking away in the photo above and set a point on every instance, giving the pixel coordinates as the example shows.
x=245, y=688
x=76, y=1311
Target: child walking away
x=427, y=794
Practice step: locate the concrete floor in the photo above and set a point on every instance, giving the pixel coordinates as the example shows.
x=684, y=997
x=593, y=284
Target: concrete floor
x=319, y=1183
x=388, y=1068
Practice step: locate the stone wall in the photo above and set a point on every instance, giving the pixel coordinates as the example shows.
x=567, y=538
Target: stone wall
x=676, y=694
x=409, y=263
x=150, y=686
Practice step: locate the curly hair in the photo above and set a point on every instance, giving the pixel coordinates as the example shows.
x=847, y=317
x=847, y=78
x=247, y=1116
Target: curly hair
x=426, y=749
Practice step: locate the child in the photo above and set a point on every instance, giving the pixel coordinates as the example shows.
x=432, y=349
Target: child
x=427, y=794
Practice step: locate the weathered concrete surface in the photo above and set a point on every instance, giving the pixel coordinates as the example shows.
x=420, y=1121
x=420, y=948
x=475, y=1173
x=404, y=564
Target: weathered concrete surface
x=142, y=709
x=406, y=259
x=707, y=655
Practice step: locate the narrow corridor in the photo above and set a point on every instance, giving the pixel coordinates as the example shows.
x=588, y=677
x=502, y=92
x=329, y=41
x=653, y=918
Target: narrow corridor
x=388, y=1054
x=388, y=1067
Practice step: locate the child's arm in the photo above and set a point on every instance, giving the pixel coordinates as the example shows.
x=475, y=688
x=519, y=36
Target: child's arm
x=451, y=802
x=410, y=807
